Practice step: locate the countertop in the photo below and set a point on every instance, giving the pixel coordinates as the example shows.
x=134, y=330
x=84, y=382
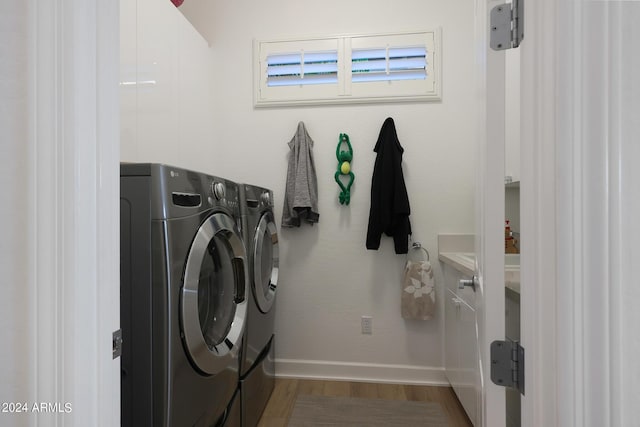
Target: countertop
x=465, y=263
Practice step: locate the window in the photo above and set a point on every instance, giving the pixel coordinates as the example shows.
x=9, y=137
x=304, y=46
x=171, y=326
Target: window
x=294, y=72
x=356, y=69
x=302, y=68
x=387, y=64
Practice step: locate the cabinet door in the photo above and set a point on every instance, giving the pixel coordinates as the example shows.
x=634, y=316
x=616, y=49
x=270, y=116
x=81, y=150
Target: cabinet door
x=461, y=344
x=128, y=80
x=467, y=388
x=166, y=90
x=157, y=82
x=451, y=361
x=194, y=92
x=452, y=279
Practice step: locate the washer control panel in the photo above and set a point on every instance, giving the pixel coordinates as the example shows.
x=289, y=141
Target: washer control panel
x=218, y=189
x=265, y=197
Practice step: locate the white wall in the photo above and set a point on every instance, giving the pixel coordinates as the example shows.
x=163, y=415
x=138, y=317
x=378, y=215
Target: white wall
x=200, y=13
x=328, y=279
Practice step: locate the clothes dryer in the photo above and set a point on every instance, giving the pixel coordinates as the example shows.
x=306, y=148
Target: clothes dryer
x=183, y=298
x=257, y=368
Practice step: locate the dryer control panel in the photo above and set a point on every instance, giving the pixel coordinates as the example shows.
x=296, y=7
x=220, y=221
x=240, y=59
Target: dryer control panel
x=266, y=198
x=178, y=192
x=219, y=190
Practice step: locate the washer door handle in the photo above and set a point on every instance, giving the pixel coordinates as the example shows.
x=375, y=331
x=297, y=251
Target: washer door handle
x=240, y=275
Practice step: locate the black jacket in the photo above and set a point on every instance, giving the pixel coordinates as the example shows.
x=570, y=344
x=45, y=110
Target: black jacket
x=389, y=211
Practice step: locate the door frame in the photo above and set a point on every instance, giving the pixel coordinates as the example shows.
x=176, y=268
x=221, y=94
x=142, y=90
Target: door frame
x=580, y=209
x=538, y=262
x=489, y=209
x=63, y=65
x=91, y=33
x=542, y=299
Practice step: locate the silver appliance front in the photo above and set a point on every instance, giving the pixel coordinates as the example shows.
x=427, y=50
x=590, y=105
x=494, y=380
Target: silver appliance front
x=183, y=297
x=266, y=261
x=213, y=303
x=257, y=373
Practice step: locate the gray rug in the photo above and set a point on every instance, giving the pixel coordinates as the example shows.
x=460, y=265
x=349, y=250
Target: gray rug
x=348, y=411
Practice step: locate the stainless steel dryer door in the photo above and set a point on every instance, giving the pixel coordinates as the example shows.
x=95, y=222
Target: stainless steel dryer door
x=213, y=305
x=266, y=260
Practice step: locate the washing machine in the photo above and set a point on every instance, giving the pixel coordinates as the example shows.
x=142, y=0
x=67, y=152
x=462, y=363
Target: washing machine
x=183, y=297
x=257, y=368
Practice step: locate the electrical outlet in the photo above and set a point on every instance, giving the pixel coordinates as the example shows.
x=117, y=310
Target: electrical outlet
x=367, y=325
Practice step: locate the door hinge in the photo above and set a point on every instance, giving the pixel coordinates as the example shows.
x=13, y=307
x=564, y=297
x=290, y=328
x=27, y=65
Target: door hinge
x=507, y=364
x=507, y=25
x=116, y=342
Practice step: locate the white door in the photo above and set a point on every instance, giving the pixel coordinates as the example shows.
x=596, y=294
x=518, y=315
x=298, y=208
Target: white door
x=490, y=212
x=60, y=240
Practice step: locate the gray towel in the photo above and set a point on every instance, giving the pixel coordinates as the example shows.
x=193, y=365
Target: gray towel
x=301, y=193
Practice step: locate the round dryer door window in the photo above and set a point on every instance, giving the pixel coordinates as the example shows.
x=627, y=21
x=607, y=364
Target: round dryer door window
x=265, y=262
x=213, y=305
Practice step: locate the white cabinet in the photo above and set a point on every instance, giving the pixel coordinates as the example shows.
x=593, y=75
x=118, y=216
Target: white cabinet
x=461, y=342
x=157, y=77
x=512, y=330
x=451, y=342
x=128, y=80
x=166, y=77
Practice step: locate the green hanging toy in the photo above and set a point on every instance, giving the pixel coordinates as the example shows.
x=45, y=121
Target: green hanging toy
x=344, y=168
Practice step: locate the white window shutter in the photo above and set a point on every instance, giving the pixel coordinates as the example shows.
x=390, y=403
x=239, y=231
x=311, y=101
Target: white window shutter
x=388, y=64
x=348, y=69
x=302, y=68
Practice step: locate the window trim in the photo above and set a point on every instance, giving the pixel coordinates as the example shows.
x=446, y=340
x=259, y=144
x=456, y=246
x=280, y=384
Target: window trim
x=342, y=91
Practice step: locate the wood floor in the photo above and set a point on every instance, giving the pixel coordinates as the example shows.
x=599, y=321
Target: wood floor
x=280, y=405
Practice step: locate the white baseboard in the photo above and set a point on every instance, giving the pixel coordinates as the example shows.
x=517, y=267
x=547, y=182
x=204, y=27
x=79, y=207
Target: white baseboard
x=363, y=372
